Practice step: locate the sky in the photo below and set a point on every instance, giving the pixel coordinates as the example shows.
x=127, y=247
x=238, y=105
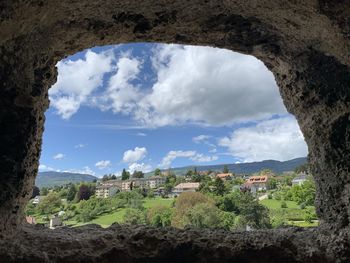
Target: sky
x=143, y=106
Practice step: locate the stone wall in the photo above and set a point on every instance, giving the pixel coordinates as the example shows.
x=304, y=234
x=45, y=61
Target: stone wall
x=306, y=44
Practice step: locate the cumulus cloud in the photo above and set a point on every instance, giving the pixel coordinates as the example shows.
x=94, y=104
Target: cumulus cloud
x=77, y=80
x=209, y=86
x=43, y=167
x=133, y=156
x=277, y=139
x=59, y=156
x=103, y=164
x=192, y=155
x=140, y=167
x=202, y=85
x=200, y=138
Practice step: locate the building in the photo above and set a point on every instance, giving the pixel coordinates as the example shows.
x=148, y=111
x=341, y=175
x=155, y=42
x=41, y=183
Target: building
x=224, y=176
x=111, y=187
x=107, y=190
x=185, y=187
x=37, y=199
x=256, y=183
x=30, y=220
x=300, y=179
x=156, y=181
x=55, y=222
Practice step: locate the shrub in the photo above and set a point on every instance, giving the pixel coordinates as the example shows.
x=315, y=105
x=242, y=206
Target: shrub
x=159, y=216
x=302, y=206
x=134, y=217
x=284, y=204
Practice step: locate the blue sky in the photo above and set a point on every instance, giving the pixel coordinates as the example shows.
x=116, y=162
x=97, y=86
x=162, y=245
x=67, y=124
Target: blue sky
x=143, y=106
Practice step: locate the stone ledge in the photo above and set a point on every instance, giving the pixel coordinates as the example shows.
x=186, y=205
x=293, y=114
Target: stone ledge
x=117, y=243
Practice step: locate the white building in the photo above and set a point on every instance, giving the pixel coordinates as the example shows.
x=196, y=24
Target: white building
x=156, y=181
x=105, y=191
x=300, y=179
x=185, y=187
x=37, y=199
x=256, y=183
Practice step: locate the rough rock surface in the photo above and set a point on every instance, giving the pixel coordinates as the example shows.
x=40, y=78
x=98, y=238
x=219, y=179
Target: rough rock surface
x=306, y=44
x=146, y=244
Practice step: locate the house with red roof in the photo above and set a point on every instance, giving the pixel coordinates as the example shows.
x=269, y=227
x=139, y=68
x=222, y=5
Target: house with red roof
x=256, y=183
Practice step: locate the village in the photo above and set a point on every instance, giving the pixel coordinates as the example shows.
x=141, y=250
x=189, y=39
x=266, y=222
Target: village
x=281, y=199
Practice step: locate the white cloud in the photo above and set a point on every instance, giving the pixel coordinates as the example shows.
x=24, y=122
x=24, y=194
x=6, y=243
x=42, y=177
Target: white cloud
x=121, y=96
x=84, y=170
x=209, y=86
x=141, y=134
x=203, y=158
x=140, y=167
x=133, y=156
x=43, y=167
x=80, y=145
x=77, y=80
x=59, y=156
x=103, y=164
x=203, y=85
x=192, y=155
x=277, y=139
x=200, y=138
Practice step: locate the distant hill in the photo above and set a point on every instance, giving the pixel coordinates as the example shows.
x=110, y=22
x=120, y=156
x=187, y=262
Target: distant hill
x=60, y=178
x=248, y=168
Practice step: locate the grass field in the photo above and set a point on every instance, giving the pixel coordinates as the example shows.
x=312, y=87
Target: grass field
x=117, y=216
x=293, y=213
x=276, y=204
x=149, y=202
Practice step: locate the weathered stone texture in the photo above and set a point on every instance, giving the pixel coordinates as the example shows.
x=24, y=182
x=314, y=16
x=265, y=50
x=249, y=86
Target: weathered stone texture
x=306, y=44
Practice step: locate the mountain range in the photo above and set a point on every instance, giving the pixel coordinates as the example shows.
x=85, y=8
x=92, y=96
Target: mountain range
x=45, y=179
x=277, y=167
x=60, y=178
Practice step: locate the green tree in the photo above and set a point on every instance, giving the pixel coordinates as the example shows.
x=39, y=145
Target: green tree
x=159, y=216
x=50, y=204
x=230, y=202
x=134, y=217
x=44, y=191
x=63, y=193
x=185, y=202
x=30, y=209
x=253, y=213
x=138, y=174
x=189, y=173
x=271, y=183
x=72, y=191
x=203, y=215
x=125, y=175
x=303, y=168
x=225, y=170
x=150, y=193
x=157, y=172
x=204, y=188
x=219, y=187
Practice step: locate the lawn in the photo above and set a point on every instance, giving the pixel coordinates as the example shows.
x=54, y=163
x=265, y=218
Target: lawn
x=106, y=220
x=293, y=213
x=150, y=202
x=304, y=223
x=276, y=204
